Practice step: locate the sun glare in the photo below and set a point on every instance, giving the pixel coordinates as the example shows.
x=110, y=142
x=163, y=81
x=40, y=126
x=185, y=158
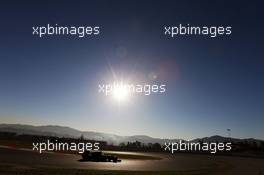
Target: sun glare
x=120, y=93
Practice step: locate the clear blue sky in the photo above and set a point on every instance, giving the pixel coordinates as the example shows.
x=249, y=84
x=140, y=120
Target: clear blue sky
x=212, y=83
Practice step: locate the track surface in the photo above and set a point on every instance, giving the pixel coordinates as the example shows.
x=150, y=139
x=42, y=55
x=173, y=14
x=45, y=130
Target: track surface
x=178, y=162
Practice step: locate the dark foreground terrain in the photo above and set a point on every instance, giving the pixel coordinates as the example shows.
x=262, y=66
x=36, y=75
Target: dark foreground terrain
x=27, y=162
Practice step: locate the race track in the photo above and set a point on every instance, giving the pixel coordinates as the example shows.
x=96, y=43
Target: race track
x=177, y=162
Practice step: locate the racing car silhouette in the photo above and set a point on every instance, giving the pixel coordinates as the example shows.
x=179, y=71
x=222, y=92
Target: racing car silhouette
x=98, y=156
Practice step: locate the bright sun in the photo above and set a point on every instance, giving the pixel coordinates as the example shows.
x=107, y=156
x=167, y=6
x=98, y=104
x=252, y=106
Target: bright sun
x=120, y=93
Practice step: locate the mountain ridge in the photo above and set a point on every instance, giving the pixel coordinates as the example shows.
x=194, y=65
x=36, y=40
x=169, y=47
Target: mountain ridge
x=65, y=131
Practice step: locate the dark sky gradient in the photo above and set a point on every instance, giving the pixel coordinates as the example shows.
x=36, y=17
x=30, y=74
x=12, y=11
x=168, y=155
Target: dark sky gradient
x=212, y=83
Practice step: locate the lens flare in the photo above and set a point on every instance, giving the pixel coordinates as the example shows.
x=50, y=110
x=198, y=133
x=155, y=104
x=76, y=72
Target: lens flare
x=120, y=92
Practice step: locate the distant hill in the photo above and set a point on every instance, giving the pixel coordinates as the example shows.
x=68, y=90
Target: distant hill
x=62, y=131
x=217, y=138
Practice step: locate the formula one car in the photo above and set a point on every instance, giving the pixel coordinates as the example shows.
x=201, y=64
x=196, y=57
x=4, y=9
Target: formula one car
x=98, y=156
